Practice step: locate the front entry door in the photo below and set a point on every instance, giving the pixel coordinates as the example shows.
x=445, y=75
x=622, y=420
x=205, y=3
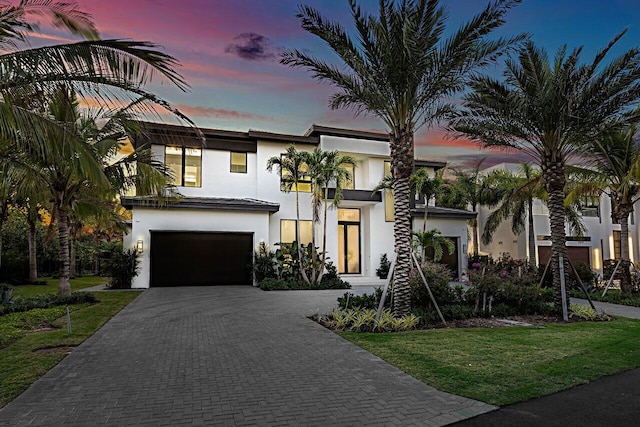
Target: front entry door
x=348, y=241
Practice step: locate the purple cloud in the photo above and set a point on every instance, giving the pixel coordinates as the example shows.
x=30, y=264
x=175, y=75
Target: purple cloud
x=252, y=47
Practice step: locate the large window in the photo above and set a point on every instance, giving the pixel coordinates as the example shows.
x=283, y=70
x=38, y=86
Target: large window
x=590, y=206
x=288, y=231
x=617, y=245
x=186, y=165
x=389, y=210
x=238, y=162
x=349, y=183
x=304, y=182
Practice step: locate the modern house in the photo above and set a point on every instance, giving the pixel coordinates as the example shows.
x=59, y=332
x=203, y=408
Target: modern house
x=232, y=203
x=601, y=241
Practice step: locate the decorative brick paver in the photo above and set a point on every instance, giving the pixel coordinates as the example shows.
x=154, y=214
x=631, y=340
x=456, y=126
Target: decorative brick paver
x=229, y=356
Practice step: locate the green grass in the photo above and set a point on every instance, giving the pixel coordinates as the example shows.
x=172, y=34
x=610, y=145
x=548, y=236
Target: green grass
x=20, y=366
x=52, y=286
x=507, y=365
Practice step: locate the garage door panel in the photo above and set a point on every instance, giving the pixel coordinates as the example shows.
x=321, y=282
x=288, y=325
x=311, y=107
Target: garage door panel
x=192, y=259
x=576, y=254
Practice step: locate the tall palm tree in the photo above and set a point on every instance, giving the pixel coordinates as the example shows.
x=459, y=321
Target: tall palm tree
x=615, y=171
x=551, y=110
x=470, y=189
x=293, y=168
x=9, y=180
x=400, y=67
x=519, y=192
x=89, y=177
x=326, y=168
x=426, y=186
x=108, y=71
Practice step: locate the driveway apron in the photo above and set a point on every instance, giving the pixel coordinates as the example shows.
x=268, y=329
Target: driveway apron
x=229, y=356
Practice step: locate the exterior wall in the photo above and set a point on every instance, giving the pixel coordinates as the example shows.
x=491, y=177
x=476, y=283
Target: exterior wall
x=376, y=234
x=147, y=220
x=598, y=229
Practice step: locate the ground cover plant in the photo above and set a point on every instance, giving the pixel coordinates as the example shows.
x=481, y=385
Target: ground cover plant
x=511, y=364
x=23, y=333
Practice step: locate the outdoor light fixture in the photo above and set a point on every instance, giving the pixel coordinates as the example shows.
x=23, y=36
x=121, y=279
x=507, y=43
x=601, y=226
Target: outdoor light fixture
x=139, y=246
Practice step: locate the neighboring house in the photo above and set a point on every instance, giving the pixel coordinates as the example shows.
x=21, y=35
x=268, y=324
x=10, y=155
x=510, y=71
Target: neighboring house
x=601, y=240
x=232, y=203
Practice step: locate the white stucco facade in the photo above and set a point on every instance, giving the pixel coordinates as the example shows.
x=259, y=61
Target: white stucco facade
x=220, y=189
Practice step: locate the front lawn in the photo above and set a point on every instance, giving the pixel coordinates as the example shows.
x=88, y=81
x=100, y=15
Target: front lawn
x=510, y=364
x=52, y=286
x=19, y=365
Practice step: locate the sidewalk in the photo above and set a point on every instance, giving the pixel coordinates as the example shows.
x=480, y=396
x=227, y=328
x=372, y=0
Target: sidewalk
x=611, y=309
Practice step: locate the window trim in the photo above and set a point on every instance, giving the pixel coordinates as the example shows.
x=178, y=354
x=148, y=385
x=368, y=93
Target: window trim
x=231, y=153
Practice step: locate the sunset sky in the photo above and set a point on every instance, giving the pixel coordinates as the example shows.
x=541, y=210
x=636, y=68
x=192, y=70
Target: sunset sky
x=229, y=54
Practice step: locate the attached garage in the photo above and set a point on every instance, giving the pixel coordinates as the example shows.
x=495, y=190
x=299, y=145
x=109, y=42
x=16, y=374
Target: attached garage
x=200, y=258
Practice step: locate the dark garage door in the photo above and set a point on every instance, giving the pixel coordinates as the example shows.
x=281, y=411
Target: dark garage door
x=193, y=259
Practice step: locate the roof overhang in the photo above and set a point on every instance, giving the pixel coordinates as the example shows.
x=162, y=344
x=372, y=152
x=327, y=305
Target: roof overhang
x=206, y=203
x=438, y=212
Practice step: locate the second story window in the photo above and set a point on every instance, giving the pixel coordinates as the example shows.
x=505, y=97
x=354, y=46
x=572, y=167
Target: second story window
x=590, y=206
x=389, y=209
x=350, y=183
x=238, y=162
x=186, y=165
x=304, y=182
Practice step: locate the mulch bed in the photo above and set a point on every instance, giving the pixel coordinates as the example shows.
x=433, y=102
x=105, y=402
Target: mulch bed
x=55, y=350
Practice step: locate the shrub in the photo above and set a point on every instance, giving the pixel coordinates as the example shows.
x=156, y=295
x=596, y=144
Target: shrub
x=264, y=263
x=20, y=304
x=272, y=284
x=364, y=320
x=383, y=269
x=364, y=301
x=122, y=267
x=438, y=277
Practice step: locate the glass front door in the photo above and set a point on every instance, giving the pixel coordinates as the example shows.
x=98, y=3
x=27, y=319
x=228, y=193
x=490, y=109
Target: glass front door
x=348, y=241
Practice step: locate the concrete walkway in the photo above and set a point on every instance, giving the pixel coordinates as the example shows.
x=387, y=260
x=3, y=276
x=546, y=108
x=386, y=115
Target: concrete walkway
x=229, y=356
x=611, y=309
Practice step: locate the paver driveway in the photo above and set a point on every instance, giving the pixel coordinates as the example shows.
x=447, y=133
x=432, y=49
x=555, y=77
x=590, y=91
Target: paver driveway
x=228, y=356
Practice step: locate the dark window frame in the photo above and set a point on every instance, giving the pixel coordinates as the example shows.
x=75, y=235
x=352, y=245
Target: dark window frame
x=183, y=165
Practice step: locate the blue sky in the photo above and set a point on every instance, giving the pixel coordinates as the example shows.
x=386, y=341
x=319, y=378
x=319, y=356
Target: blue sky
x=229, y=51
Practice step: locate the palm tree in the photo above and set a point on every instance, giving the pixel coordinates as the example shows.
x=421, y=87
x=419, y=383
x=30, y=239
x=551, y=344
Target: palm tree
x=87, y=178
x=421, y=183
x=519, y=192
x=471, y=189
x=551, y=110
x=435, y=240
x=9, y=179
x=293, y=169
x=108, y=71
x=615, y=171
x=401, y=68
x=326, y=168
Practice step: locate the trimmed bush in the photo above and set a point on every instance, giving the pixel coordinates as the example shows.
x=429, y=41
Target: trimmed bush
x=122, y=267
x=299, y=284
x=20, y=304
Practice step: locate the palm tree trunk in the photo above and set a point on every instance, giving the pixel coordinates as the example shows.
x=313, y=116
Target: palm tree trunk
x=623, y=218
x=324, y=235
x=33, y=253
x=72, y=250
x=532, y=237
x=402, y=165
x=64, y=287
x=474, y=237
x=554, y=183
x=1, y=224
x=298, y=237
